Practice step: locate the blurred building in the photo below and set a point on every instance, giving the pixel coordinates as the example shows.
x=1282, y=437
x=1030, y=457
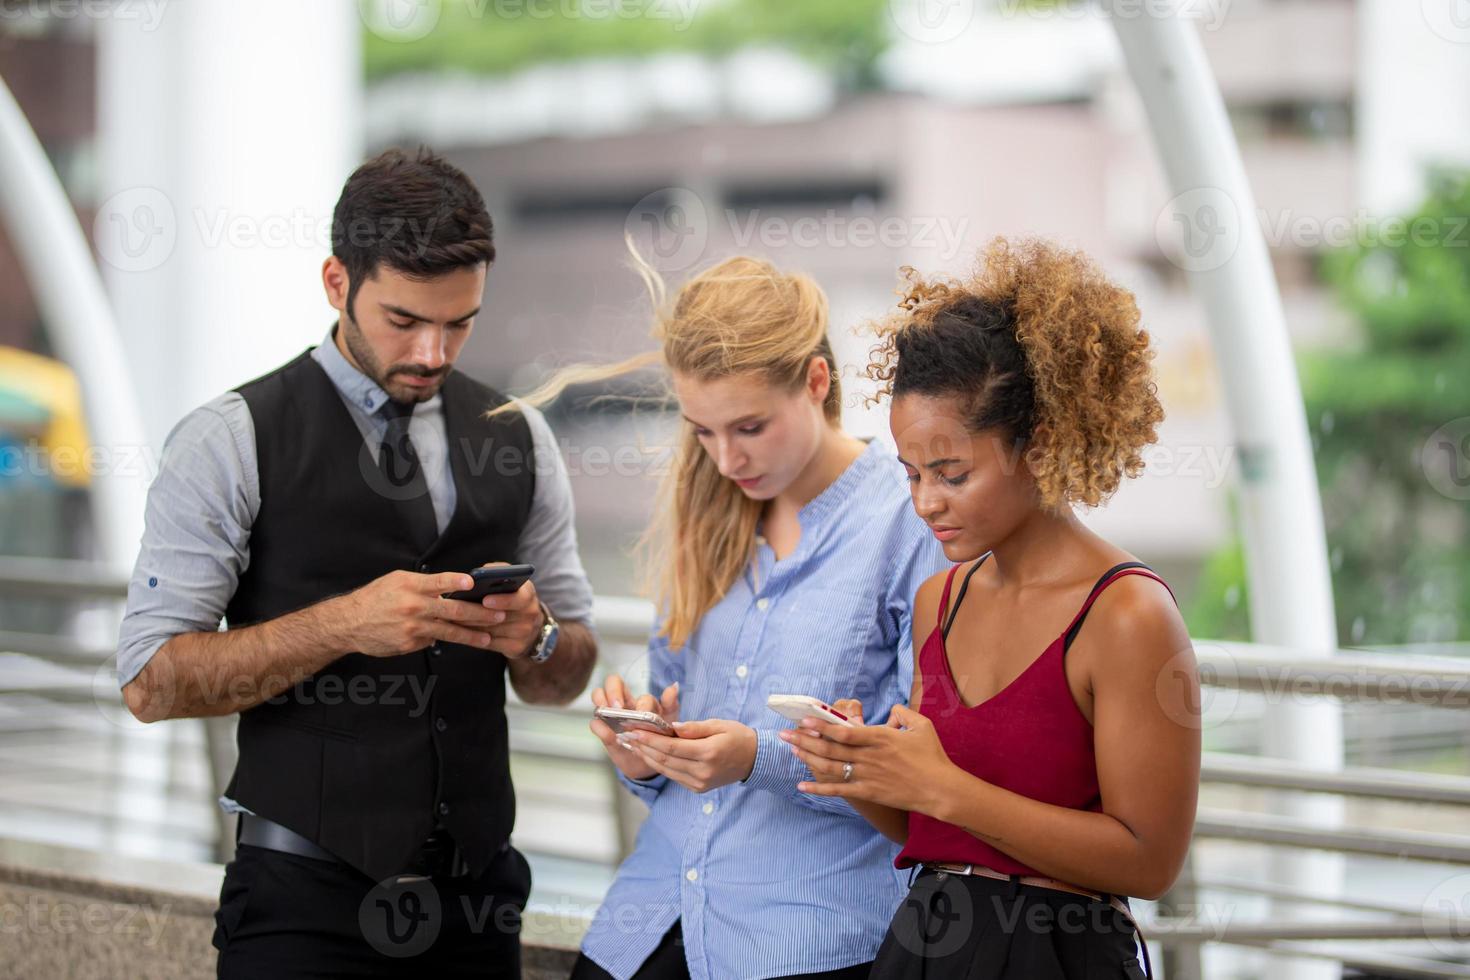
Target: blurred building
x=1000, y=116
x=1018, y=124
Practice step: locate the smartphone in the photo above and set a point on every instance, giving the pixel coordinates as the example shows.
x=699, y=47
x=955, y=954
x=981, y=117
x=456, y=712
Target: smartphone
x=627, y=720
x=798, y=706
x=495, y=580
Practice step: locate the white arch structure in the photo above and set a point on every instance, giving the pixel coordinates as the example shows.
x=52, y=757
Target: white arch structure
x=57, y=259
x=1289, y=583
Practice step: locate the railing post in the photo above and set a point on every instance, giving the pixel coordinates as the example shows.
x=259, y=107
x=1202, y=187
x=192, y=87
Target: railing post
x=219, y=745
x=1183, y=961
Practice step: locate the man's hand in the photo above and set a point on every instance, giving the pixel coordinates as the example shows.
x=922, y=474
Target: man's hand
x=405, y=611
x=515, y=619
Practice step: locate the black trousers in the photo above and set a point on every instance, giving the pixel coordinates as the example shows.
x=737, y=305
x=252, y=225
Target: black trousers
x=667, y=963
x=284, y=916
x=967, y=927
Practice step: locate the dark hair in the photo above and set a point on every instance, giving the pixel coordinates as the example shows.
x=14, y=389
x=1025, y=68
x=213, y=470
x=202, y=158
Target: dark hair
x=1040, y=343
x=420, y=216
x=970, y=349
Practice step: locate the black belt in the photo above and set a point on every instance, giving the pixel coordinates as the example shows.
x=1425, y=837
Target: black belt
x=438, y=857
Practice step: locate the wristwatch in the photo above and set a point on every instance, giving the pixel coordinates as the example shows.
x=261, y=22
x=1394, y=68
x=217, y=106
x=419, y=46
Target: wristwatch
x=546, y=642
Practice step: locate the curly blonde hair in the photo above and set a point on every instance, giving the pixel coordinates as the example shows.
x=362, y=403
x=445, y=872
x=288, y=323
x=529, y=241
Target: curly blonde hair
x=1043, y=346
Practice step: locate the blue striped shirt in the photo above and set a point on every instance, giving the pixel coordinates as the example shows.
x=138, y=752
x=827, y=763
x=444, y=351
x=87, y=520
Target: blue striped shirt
x=769, y=882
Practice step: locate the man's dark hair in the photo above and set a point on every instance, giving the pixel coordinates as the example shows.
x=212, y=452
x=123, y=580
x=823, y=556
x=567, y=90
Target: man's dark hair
x=418, y=215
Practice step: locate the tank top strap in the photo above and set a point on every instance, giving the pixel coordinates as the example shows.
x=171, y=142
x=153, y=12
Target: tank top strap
x=944, y=599
x=948, y=623
x=1107, y=579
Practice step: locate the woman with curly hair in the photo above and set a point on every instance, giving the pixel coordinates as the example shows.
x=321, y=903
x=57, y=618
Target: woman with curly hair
x=1049, y=766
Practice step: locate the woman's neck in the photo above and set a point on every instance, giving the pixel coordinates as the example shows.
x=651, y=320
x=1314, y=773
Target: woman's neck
x=836, y=452
x=1046, y=547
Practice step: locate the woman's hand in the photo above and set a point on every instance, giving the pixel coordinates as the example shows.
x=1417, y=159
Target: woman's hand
x=705, y=756
x=900, y=764
x=614, y=694
x=851, y=707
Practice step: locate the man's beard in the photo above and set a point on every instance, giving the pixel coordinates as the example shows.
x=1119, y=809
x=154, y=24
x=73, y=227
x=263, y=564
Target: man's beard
x=362, y=352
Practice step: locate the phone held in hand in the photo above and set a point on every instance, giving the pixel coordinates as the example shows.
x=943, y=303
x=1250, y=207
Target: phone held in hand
x=627, y=720
x=494, y=580
x=795, y=707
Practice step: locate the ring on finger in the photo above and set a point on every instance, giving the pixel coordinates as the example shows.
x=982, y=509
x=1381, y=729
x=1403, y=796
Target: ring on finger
x=847, y=772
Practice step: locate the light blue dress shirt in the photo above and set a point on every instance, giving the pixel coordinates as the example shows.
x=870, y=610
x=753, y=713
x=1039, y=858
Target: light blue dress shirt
x=769, y=882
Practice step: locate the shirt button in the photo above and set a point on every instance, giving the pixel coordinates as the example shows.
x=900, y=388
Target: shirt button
x=708, y=809
x=742, y=670
x=436, y=650
x=443, y=809
x=761, y=604
x=440, y=724
x=424, y=567
x=760, y=539
x=692, y=875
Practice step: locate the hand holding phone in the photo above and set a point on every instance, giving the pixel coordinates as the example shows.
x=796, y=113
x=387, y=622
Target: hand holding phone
x=628, y=720
x=494, y=580
x=614, y=695
x=795, y=707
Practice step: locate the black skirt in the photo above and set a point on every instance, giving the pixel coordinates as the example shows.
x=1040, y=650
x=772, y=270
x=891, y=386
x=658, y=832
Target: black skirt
x=969, y=927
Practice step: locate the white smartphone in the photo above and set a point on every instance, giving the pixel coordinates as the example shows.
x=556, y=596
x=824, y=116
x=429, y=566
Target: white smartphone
x=798, y=706
x=627, y=720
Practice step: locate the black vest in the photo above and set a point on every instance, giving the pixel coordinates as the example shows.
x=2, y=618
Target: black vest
x=367, y=756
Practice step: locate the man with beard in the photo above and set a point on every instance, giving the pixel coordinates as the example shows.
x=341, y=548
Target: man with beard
x=325, y=511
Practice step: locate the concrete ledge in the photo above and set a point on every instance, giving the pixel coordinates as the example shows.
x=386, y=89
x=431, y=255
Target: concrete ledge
x=70, y=912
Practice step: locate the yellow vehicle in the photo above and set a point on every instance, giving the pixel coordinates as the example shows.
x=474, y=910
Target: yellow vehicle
x=41, y=405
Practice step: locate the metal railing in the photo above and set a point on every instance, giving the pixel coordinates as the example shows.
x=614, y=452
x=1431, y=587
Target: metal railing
x=1387, y=679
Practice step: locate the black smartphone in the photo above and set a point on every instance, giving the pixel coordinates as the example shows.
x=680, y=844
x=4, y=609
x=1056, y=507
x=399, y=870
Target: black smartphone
x=495, y=580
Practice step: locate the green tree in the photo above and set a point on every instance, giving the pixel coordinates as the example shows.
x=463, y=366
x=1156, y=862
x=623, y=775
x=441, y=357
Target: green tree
x=1394, y=493
x=493, y=37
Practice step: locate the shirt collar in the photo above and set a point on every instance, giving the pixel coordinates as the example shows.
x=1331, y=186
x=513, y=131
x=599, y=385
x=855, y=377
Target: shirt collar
x=355, y=386
x=840, y=490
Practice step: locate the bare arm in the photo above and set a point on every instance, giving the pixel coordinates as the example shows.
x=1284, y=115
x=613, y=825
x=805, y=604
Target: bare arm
x=197, y=675
x=564, y=676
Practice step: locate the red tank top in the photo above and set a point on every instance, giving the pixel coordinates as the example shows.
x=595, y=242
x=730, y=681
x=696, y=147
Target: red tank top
x=1030, y=737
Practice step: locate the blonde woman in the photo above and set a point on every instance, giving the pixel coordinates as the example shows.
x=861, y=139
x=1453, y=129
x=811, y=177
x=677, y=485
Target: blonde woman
x=787, y=557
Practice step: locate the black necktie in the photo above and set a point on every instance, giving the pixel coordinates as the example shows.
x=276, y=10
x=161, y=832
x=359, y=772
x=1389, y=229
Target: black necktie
x=403, y=474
